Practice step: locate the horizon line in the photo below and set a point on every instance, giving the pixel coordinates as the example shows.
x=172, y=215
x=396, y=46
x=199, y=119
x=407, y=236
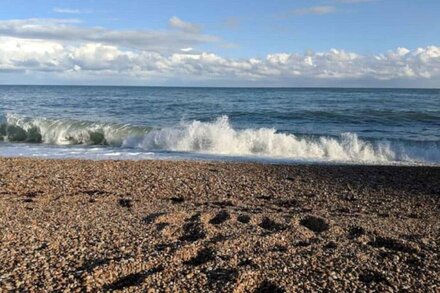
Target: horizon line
x=225, y=87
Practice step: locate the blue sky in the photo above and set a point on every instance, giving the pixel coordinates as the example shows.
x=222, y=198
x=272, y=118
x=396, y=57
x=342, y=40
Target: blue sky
x=236, y=31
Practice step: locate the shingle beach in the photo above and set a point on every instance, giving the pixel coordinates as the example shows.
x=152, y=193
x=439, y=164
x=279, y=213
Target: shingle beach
x=176, y=226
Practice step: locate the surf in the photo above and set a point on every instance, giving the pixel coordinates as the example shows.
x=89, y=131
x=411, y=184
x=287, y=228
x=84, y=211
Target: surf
x=219, y=138
x=17, y=128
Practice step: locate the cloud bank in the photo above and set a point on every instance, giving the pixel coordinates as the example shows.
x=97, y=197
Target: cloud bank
x=64, y=30
x=63, y=51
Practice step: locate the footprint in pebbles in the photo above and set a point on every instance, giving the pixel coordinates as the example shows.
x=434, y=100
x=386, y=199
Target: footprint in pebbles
x=203, y=256
x=193, y=229
x=134, y=279
x=314, y=223
x=267, y=286
x=271, y=225
x=221, y=217
x=218, y=278
x=243, y=218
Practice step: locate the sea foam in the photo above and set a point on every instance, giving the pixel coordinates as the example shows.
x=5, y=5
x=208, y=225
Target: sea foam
x=219, y=137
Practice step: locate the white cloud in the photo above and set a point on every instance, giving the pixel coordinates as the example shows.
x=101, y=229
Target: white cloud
x=61, y=49
x=70, y=11
x=179, y=24
x=317, y=10
x=96, y=59
x=186, y=49
x=64, y=30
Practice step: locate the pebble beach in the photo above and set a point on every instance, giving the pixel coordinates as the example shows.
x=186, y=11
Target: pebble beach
x=177, y=226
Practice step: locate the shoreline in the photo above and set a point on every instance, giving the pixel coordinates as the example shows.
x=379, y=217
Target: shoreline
x=220, y=226
x=226, y=159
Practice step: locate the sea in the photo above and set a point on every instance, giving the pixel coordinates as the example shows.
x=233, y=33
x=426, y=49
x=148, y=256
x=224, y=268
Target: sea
x=273, y=125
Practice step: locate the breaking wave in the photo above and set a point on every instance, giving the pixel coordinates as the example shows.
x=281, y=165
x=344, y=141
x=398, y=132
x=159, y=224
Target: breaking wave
x=66, y=131
x=219, y=138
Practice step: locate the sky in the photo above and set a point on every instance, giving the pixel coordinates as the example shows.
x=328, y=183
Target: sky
x=287, y=43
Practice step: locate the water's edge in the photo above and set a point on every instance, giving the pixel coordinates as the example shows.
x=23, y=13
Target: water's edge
x=217, y=139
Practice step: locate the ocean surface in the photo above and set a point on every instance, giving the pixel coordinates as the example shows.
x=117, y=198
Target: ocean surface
x=361, y=126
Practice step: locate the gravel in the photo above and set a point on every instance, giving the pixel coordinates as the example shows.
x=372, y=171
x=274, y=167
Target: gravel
x=76, y=225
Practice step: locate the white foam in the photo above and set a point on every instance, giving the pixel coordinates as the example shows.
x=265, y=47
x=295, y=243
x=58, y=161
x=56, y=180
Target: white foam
x=219, y=138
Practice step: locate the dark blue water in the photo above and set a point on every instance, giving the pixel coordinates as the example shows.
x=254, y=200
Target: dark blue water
x=325, y=125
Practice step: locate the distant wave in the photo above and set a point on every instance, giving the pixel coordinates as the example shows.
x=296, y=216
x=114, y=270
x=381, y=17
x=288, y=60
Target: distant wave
x=218, y=138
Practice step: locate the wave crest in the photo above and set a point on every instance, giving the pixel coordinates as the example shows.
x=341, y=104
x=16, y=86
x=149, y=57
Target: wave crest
x=220, y=138
x=66, y=132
